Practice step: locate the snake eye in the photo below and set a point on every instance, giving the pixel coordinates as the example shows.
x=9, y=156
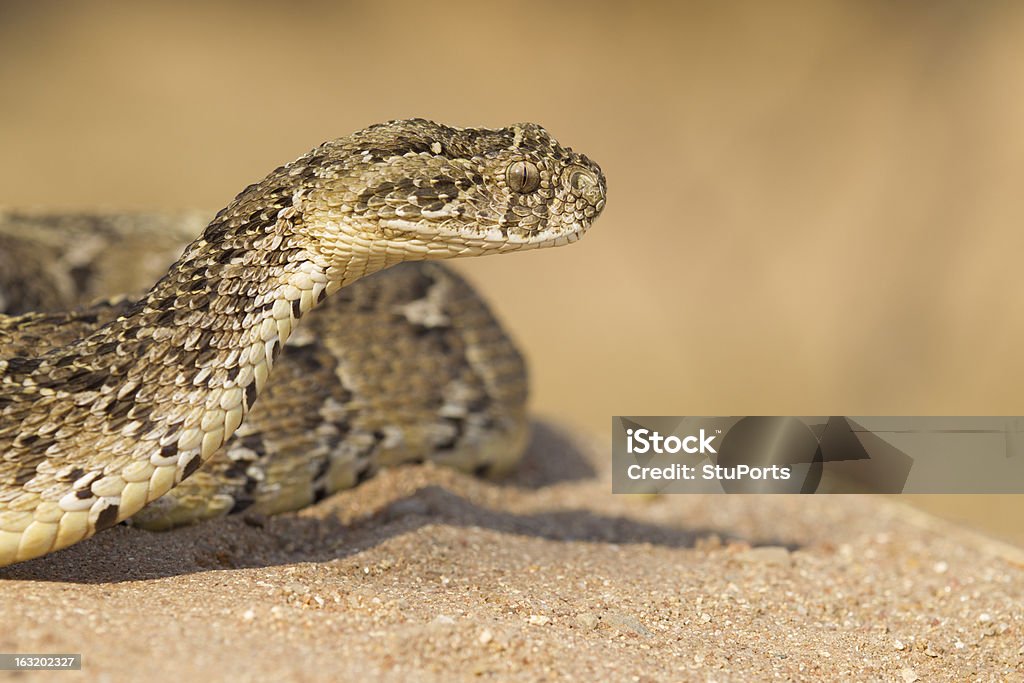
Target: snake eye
x=522, y=176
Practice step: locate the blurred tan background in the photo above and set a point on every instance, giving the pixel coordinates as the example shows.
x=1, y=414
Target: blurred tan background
x=814, y=207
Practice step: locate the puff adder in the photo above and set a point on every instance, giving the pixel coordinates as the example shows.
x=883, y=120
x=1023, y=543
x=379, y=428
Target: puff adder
x=105, y=408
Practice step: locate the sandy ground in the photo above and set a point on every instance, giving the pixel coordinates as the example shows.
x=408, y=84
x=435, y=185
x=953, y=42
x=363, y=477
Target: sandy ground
x=427, y=574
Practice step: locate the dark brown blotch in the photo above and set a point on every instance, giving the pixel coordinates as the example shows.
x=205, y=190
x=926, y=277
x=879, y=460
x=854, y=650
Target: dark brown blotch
x=250, y=394
x=191, y=466
x=107, y=517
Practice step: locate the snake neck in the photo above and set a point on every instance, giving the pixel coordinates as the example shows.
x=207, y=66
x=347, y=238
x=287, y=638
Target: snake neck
x=142, y=402
x=207, y=333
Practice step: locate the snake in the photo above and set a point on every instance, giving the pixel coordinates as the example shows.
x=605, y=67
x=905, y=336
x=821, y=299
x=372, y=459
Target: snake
x=140, y=404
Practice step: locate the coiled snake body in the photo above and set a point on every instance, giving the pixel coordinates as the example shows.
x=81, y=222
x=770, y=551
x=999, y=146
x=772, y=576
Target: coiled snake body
x=106, y=408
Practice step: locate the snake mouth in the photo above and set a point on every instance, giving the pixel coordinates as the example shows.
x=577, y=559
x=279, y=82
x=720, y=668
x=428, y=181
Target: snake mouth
x=464, y=239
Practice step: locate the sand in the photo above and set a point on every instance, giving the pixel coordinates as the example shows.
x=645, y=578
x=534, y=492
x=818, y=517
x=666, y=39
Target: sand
x=427, y=574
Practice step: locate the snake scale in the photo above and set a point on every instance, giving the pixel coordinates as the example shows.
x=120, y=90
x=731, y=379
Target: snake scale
x=148, y=403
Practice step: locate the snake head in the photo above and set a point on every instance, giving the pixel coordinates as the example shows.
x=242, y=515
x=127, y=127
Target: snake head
x=407, y=190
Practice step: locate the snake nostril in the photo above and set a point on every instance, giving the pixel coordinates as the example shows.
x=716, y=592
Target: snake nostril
x=582, y=180
x=589, y=186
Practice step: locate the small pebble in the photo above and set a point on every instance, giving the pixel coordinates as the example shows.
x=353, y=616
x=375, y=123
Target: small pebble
x=485, y=636
x=587, y=620
x=539, y=619
x=626, y=623
x=908, y=675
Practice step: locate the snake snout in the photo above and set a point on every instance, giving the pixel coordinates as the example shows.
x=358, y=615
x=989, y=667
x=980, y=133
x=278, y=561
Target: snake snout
x=592, y=187
x=587, y=183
